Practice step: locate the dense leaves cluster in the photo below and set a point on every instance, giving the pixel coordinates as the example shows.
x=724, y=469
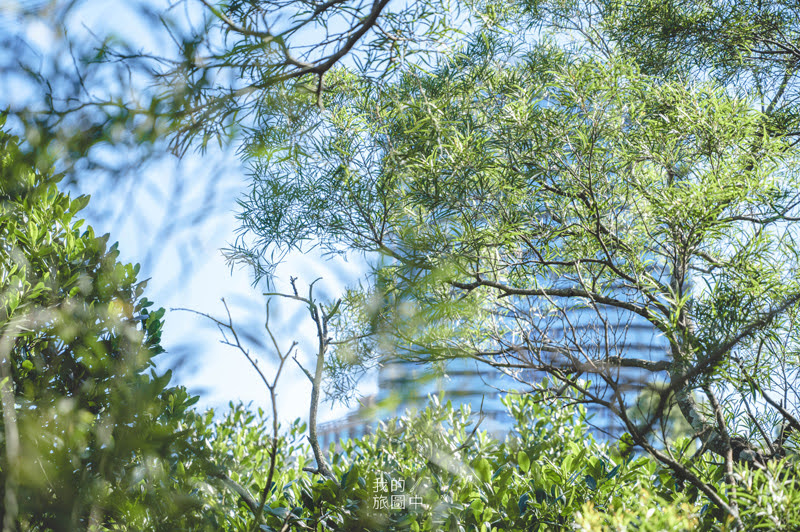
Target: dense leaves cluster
x=89, y=436
x=548, y=473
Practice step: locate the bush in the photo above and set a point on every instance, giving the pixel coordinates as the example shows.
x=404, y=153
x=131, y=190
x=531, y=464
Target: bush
x=89, y=436
x=548, y=473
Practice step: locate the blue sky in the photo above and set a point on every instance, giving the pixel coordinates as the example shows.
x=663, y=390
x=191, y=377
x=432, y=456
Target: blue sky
x=217, y=372
x=185, y=265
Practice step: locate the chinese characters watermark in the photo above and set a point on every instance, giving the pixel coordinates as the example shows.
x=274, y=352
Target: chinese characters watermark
x=391, y=495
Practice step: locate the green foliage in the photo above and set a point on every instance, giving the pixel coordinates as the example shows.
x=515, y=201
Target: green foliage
x=770, y=497
x=570, y=158
x=548, y=473
x=531, y=199
x=90, y=437
x=517, y=176
x=459, y=479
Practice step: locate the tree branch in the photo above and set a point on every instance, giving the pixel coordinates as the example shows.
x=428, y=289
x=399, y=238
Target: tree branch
x=562, y=292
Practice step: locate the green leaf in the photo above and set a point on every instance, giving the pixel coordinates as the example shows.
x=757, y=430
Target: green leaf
x=523, y=503
x=611, y=474
x=523, y=461
x=483, y=470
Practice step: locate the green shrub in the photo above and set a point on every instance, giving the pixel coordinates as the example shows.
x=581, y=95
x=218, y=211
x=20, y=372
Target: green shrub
x=90, y=438
x=545, y=475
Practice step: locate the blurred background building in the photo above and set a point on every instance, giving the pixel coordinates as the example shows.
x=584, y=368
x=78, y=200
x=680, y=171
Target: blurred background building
x=404, y=385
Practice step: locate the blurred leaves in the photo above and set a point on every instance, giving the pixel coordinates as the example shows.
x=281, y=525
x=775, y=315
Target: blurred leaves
x=97, y=435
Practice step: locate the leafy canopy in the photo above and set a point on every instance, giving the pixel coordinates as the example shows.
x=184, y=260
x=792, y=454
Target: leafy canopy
x=535, y=204
x=90, y=439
